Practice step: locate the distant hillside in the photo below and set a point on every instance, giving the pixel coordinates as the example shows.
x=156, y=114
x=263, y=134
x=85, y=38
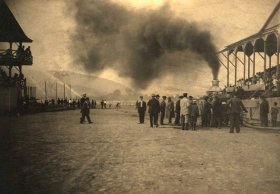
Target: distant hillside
x=80, y=83
x=169, y=84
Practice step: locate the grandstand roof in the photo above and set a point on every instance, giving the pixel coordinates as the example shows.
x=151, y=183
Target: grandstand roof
x=273, y=19
x=10, y=30
x=272, y=23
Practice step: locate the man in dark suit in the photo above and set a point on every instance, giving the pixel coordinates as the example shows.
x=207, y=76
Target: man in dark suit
x=235, y=108
x=85, y=111
x=264, y=110
x=162, y=109
x=177, y=111
x=154, y=109
x=141, y=107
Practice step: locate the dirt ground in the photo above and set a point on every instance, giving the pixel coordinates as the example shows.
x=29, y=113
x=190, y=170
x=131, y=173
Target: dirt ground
x=53, y=153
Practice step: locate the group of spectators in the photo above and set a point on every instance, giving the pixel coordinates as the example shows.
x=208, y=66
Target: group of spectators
x=267, y=78
x=22, y=54
x=17, y=79
x=213, y=111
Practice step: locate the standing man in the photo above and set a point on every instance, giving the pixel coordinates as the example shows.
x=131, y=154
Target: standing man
x=170, y=110
x=235, y=108
x=274, y=113
x=141, y=107
x=153, y=110
x=264, y=109
x=162, y=109
x=205, y=112
x=177, y=111
x=194, y=113
x=217, y=112
x=184, y=106
x=85, y=111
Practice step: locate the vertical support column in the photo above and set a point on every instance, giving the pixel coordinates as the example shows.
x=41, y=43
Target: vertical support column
x=254, y=59
x=46, y=97
x=64, y=91
x=20, y=70
x=10, y=66
x=277, y=54
x=228, y=53
x=264, y=51
x=235, y=68
x=56, y=91
x=70, y=91
x=10, y=71
x=249, y=64
x=244, y=70
x=269, y=61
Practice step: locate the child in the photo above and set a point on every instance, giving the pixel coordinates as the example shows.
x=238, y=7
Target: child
x=274, y=113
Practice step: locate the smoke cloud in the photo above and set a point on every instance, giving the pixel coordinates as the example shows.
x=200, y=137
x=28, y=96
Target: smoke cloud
x=139, y=44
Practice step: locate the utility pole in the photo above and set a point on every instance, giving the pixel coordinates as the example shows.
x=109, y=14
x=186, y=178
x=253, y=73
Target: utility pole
x=64, y=91
x=46, y=97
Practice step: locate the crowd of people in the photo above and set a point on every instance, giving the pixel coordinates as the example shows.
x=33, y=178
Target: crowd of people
x=21, y=55
x=266, y=80
x=186, y=111
x=16, y=79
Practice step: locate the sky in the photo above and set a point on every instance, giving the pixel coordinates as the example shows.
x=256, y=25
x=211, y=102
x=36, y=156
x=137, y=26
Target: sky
x=52, y=23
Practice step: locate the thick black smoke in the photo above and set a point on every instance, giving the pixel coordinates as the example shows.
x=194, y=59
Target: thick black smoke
x=136, y=42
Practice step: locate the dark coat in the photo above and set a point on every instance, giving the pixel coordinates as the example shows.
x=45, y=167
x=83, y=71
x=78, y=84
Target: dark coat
x=236, y=106
x=264, y=107
x=138, y=106
x=177, y=107
x=86, y=107
x=217, y=107
x=194, y=110
x=206, y=108
x=154, y=107
x=162, y=106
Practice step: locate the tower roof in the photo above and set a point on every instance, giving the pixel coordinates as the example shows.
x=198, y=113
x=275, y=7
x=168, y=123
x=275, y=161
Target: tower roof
x=10, y=30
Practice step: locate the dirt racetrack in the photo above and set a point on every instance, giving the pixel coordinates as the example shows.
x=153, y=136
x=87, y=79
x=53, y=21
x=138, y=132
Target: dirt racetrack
x=53, y=153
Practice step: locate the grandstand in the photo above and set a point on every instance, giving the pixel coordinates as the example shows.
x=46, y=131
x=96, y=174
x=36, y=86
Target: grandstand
x=258, y=51
x=253, y=63
x=13, y=56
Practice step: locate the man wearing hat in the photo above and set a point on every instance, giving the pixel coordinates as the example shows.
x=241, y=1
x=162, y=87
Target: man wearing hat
x=83, y=99
x=154, y=109
x=85, y=111
x=141, y=107
x=162, y=109
x=235, y=107
x=184, y=106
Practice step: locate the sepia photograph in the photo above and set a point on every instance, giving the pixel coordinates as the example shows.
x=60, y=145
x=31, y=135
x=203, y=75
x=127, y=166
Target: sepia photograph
x=139, y=96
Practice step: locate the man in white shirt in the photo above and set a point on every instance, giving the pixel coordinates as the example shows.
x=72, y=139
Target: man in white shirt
x=184, y=106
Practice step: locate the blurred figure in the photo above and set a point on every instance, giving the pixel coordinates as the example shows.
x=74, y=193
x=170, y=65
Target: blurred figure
x=264, y=109
x=274, y=113
x=235, y=106
x=154, y=109
x=205, y=112
x=177, y=111
x=170, y=110
x=184, y=107
x=162, y=109
x=85, y=111
x=141, y=107
x=217, y=112
x=194, y=113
